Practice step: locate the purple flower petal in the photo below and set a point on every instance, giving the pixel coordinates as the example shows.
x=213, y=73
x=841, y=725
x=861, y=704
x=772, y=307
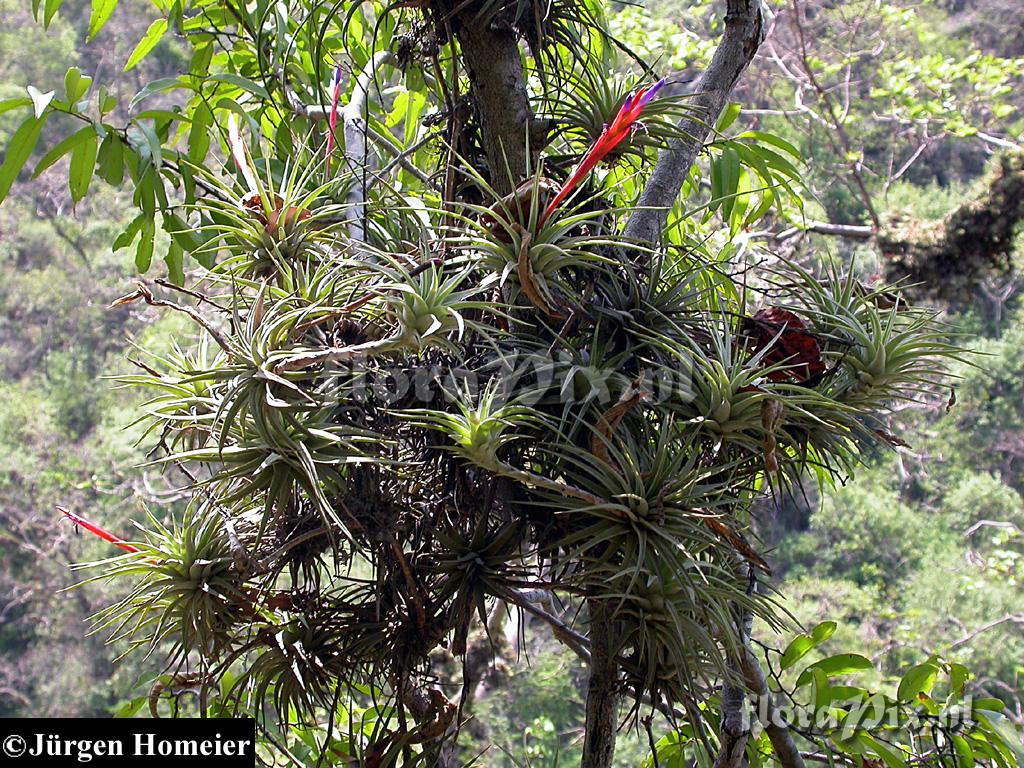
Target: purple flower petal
x=651, y=92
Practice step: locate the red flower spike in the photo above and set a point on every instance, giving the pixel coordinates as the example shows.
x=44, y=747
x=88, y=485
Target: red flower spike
x=332, y=121
x=610, y=137
x=787, y=341
x=97, y=530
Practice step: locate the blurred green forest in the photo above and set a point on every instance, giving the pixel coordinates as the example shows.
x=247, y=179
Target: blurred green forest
x=910, y=116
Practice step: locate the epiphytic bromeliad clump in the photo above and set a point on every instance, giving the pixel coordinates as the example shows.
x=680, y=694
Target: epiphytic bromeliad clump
x=481, y=329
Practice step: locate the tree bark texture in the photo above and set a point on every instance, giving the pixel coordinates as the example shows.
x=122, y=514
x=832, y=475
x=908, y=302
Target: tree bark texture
x=786, y=750
x=602, y=697
x=508, y=129
x=744, y=32
x=735, y=729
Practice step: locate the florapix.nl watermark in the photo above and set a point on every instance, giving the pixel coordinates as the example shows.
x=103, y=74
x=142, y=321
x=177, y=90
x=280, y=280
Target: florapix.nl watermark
x=44, y=742
x=523, y=378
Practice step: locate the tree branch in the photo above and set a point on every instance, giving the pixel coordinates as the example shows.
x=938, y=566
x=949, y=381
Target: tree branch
x=565, y=634
x=142, y=292
x=836, y=117
x=602, y=699
x=744, y=32
x=354, y=116
x=508, y=130
x=782, y=740
x=1017, y=619
x=992, y=524
x=851, y=231
x=735, y=728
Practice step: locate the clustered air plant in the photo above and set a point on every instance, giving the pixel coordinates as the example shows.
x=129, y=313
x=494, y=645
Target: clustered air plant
x=412, y=409
x=388, y=447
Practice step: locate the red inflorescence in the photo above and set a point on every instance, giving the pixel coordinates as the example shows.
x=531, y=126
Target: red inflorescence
x=787, y=342
x=610, y=137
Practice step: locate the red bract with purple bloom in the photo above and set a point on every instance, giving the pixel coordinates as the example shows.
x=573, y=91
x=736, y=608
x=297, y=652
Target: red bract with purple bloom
x=610, y=137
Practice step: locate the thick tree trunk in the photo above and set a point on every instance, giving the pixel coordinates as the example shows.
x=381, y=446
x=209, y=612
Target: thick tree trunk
x=602, y=698
x=498, y=87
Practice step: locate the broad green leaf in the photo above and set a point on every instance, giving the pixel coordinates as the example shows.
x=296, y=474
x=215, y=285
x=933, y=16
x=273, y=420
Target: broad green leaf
x=284, y=141
x=417, y=103
x=100, y=13
x=846, y=693
x=175, y=260
x=180, y=232
x=157, y=86
x=889, y=756
x=849, y=746
x=8, y=104
x=983, y=749
x=83, y=164
x=40, y=101
x=162, y=116
x=188, y=183
x=106, y=101
x=762, y=208
x=728, y=117
x=728, y=167
x=145, y=192
x=201, y=59
x=822, y=697
x=989, y=704
x=111, y=159
x=1002, y=735
x=958, y=677
x=19, y=150
x=75, y=85
x=918, y=679
x=398, y=107
x=775, y=141
x=144, y=253
x=841, y=664
x=716, y=185
x=800, y=646
x=50, y=10
x=206, y=253
x=964, y=753
x=777, y=161
x=199, y=133
x=145, y=141
x=131, y=708
x=61, y=149
x=241, y=82
x=740, y=202
x=149, y=41
x=129, y=234
x=823, y=632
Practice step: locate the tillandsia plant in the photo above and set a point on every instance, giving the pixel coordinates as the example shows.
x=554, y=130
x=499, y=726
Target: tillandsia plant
x=463, y=349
